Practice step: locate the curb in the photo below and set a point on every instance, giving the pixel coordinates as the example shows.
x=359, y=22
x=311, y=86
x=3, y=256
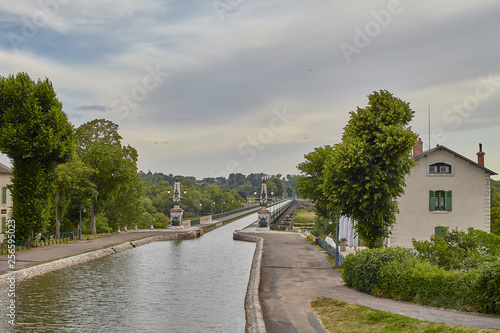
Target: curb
x=29, y=272
x=253, y=311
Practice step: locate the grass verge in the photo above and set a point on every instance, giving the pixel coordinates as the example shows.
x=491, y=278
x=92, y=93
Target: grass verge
x=340, y=316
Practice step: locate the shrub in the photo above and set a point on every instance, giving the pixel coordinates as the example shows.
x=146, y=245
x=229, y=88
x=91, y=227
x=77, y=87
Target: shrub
x=361, y=270
x=415, y=280
x=488, y=291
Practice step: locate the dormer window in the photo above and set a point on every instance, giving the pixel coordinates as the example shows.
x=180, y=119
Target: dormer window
x=439, y=169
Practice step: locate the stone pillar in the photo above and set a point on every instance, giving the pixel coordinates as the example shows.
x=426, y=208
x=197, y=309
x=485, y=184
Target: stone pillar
x=176, y=217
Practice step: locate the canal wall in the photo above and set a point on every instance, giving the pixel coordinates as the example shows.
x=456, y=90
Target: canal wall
x=40, y=269
x=199, y=230
x=253, y=310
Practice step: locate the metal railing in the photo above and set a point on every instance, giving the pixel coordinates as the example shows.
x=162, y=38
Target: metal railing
x=231, y=212
x=330, y=250
x=28, y=243
x=280, y=211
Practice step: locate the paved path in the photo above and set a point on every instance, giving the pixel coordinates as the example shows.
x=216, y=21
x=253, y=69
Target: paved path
x=295, y=272
x=58, y=251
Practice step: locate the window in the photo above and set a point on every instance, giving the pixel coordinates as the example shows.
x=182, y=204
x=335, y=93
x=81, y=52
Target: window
x=440, y=200
x=439, y=169
x=4, y=195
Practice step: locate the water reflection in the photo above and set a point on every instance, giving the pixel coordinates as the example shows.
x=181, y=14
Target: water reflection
x=175, y=286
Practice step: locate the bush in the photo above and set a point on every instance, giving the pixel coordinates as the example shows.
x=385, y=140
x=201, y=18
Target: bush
x=417, y=281
x=361, y=270
x=488, y=291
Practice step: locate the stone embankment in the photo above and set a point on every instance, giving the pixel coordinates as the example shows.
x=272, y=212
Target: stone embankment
x=253, y=311
x=40, y=269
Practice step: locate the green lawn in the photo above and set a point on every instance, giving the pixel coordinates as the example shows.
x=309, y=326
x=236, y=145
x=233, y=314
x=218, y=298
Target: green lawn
x=340, y=316
x=304, y=218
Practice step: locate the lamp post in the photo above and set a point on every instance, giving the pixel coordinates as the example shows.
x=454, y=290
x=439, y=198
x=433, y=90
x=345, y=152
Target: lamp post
x=199, y=211
x=80, y=222
x=223, y=202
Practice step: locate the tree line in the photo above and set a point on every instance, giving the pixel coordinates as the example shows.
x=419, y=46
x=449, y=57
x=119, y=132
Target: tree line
x=62, y=174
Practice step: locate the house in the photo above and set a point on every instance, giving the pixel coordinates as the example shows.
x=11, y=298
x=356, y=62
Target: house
x=443, y=189
x=6, y=202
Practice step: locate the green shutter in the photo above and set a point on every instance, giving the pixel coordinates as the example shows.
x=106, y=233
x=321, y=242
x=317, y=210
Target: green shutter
x=4, y=195
x=4, y=229
x=440, y=231
x=448, y=201
x=432, y=201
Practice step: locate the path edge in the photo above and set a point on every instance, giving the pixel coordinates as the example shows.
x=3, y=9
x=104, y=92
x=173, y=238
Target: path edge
x=36, y=270
x=253, y=310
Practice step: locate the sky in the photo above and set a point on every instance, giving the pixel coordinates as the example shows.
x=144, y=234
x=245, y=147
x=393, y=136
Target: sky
x=208, y=88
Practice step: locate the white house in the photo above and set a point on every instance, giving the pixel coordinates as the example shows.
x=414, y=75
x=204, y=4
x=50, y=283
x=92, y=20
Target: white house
x=6, y=200
x=443, y=189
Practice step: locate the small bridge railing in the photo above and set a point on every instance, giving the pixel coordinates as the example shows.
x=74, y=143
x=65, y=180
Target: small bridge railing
x=24, y=244
x=330, y=250
x=279, y=211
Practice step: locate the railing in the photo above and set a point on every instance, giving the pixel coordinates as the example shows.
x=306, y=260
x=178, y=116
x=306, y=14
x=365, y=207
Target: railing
x=280, y=211
x=24, y=244
x=330, y=250
x=231, y=212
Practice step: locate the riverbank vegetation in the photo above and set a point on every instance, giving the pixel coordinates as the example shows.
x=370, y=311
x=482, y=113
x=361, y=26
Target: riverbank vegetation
x=340, y=316
x=458, y=270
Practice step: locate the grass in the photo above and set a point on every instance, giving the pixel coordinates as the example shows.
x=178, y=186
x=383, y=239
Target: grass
x=340, y=316
x=304, y=218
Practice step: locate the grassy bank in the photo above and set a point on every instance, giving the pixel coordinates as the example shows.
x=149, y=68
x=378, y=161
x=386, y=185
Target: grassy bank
x=304, y=218
x=340, y=316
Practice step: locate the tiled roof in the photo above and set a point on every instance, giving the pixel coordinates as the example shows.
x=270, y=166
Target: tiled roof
x=428, y=152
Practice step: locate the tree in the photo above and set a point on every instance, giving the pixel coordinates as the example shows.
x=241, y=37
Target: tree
x=72, y=178
x=365, y=174
x=311, y=182
x=36, y=135
x=98, y=145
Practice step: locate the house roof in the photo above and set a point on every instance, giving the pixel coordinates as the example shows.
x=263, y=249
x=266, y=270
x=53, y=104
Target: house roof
x=5, y=169
x=430, y=151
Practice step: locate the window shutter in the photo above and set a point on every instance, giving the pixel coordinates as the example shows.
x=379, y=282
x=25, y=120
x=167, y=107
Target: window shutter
x=4, y=195
x=432, y=201
x=4, y=229
x=448, y=201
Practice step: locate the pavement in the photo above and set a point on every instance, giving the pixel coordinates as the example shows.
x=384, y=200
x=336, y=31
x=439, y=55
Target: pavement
x=294, y=273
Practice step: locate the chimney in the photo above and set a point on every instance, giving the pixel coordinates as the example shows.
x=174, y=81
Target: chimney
x=418, y=149
x=480, y=156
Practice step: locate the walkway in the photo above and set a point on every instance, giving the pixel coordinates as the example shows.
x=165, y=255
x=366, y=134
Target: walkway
x=295, y=272
x=58, y=251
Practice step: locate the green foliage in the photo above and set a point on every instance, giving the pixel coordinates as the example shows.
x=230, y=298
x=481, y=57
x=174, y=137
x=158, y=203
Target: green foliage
x=36, y=135
x=495, y=218
x=365, y=174
x=487, y=287
x=310, y=183
x=98, y=145
x=361, y=270
x=459, y=249
x=459, y=271
x=418, y=281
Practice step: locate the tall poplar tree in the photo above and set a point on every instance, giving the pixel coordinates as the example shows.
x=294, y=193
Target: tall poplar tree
x=36, y=135
x=365, y=173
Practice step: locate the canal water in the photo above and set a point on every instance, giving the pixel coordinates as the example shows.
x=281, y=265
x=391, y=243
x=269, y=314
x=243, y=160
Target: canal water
x=194, y=285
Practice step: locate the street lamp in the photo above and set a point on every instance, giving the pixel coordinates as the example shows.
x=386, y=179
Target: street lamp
x=80, y=222
x=199, y=211
x=223, y=202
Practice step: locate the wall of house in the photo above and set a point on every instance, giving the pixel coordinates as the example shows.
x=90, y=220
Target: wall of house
x=5, y=202
x=470, y=186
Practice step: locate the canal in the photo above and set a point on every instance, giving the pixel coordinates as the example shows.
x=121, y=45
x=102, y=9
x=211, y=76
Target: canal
x=194, y=285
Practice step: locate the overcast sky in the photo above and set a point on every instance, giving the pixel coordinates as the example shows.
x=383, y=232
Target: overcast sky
x=206, y=88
